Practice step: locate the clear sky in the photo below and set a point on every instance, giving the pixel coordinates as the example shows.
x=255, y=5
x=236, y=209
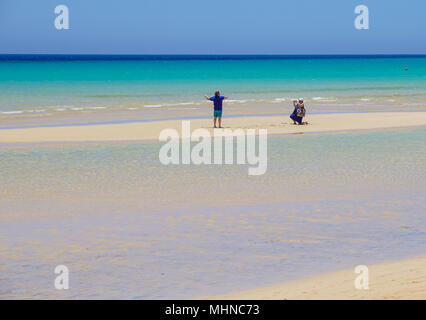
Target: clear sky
x=213, y=27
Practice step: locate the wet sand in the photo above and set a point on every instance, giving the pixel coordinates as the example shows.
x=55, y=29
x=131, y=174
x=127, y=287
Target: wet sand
x=404, y=279
x=134, y=131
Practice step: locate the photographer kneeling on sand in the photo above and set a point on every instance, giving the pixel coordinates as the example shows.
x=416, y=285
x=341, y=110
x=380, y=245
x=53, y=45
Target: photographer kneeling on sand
x=299, y=112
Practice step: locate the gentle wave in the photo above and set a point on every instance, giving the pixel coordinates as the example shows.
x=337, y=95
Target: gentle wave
x=102, y=96
x=394, y=100
x=12, y=112
x=153, y=106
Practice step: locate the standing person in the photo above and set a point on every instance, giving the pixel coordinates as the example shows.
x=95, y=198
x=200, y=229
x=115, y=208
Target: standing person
x=217, y=102
x=299, y=112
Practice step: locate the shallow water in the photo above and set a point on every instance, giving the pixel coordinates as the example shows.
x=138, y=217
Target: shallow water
x=128, y=227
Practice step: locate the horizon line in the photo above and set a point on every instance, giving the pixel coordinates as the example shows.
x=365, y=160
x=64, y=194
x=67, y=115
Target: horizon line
x=218, y=54
x=107, y=56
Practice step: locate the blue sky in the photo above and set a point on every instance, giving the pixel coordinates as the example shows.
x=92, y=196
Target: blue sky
x=213, y=27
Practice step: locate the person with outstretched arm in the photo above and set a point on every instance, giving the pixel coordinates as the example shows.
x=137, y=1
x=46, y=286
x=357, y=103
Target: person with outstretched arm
x=217, y=103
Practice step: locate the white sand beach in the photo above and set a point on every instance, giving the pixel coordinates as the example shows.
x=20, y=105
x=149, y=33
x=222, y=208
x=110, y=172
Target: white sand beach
x=274, y=125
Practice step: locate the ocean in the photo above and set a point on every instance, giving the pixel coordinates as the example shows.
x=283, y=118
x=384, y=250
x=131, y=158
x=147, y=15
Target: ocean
x=45, y=84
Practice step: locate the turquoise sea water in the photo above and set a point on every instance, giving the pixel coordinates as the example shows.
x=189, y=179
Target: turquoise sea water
x=34, y=84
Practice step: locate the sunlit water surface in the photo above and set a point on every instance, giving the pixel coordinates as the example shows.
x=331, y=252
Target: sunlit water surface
x=127, y=226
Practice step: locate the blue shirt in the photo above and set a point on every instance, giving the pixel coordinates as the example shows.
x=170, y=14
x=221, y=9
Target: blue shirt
x=217, y=101
x=295, y=110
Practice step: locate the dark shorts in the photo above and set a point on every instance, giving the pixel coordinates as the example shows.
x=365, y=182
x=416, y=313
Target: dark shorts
x=296, y=118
